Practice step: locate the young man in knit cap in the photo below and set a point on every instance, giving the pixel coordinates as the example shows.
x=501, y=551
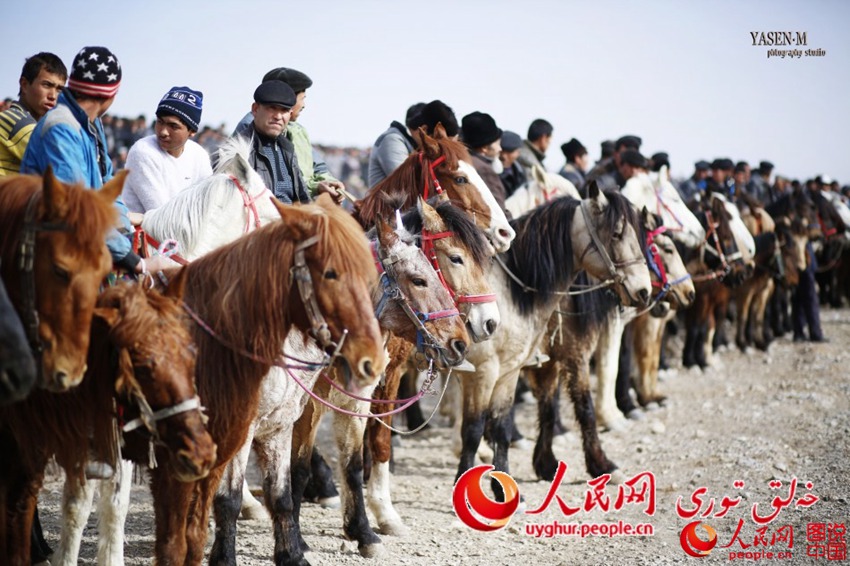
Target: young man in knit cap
x=577, y=163
x=42, y=79
x=70, y=138
x=165, y=163
x=482, y=136
x=393, y=146
x=272, y=153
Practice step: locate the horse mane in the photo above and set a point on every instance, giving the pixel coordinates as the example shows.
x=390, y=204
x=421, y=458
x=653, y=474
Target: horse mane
x=590, y=310
x=143, y=313
x=231, y=149
x=408, y=179
x=88, y=218
x=456, y=221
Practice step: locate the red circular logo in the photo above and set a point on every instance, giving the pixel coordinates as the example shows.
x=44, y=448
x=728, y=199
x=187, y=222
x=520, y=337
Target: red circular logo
x=693, y=544
x=468, y=497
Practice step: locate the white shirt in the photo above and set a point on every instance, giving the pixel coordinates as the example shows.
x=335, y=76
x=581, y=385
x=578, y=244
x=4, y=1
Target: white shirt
x=156, y=176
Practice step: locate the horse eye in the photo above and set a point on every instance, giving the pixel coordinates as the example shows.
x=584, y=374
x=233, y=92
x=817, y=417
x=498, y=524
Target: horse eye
x=456, y=259
x=330, y=274
x=419, y=282
x=461, y=180
x=62, y=273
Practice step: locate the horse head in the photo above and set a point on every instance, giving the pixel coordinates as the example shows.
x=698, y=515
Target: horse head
x=459, y=250
x=331, y=300
x=730, y=247
x=156, y=375
x=58, y=235
x=607, y=233
x=412, y=301
x=540, y=187
x=667, y=270
x=17, y=367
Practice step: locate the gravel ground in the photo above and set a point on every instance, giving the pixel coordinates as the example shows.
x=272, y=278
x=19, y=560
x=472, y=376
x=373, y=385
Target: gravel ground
x=754, y=418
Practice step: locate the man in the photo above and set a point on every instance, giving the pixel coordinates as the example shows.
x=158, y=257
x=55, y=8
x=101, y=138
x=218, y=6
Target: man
x=513, y=175
x=314, y=170
x=577, y=163
x=272, y=153
x=393, y=146
x=70, y=139
x=721, y=176
x=694, y=187
x=433, y=113
x=631, y=163
x=482, y=136
x=42, y=79
x=534, y=148
x=759, y=185
x=606, y=173
x=163, y=164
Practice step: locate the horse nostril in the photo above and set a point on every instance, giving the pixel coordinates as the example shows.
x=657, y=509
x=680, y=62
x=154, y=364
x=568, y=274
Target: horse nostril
x=490, y=326
x=691, y=296
x=61, y=379
x=504, y=234
x=459, y=346
x=366, y=367
x=643, y=295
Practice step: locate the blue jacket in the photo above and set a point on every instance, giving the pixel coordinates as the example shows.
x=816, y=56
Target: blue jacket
x=76, y=149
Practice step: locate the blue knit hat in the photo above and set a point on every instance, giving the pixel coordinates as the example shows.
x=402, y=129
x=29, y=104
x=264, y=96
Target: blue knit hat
x=184, y=103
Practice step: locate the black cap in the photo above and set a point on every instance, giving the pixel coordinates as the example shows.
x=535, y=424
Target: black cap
x=295, y=79
x=479, y=129
x=723, y=164
x=511, y=141
x=659, y=160
x=702, y=165
x=633, y=157
x=275, y=92
x=437, y=112
x=607, y=148
x=630, y=142
x=573, y=149
x=765, y=166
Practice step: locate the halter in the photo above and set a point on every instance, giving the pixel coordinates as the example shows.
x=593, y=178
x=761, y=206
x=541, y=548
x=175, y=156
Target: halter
x=653, y=261
x=430, y=251
x=433, y=177
x=716, y=251
x=26, y=264
x=661, y=204
x=392, y=291
x=614, y=276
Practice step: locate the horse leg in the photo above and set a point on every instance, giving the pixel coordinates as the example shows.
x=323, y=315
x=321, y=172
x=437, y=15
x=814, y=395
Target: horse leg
x=407, y=389
x=500, y=425
x=303, y=439
x=39, y=549
x=578, y=383
x=643, y=353
x=199, y=516
x=348, y=432
x=607, y=366
x=543, y=382
x=112, y=510
x=171, y=500
x=759, y=305
x=76, y=506
x=477, y=389
x=623, y=385
x=743, y=299
x=20, y=492
x=227, y=504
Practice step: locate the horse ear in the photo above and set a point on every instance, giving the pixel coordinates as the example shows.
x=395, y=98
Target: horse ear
x=597, y=197
x=55, y=196
x=112, y=189
x=125, y=373
x=592, y=190
x=325, y=201
x=440, y=132
x=386, y=235
x=429, y=145
x=431, y=220
x=176, y=285
x=646, y=218
x=108, y=315
x=297, y=220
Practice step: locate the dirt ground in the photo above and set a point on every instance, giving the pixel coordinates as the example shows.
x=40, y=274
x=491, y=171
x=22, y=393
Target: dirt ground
x=755, y=417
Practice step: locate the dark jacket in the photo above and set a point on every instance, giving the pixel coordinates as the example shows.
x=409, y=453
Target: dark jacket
x=265, y=168
x=513, y=178
x=484, y=166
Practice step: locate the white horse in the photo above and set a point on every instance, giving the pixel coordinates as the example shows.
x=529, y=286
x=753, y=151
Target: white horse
x=541, y=187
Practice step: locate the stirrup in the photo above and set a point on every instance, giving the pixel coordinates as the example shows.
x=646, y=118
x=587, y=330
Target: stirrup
x=537, y=361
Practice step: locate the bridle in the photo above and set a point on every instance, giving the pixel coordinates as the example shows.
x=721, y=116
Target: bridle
x=428, y=248
x=432, y=179
x=299, y=272
x=656, y=265
x=725, y=259
x=391, y=291
x=26, y=265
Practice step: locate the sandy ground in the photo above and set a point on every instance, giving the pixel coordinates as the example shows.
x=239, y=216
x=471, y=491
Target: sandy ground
x=754, y=417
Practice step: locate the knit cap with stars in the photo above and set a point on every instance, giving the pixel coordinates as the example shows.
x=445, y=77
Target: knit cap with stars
x=96, y=72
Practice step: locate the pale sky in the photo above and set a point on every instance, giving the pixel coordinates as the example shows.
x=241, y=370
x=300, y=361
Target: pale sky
x=684, y=76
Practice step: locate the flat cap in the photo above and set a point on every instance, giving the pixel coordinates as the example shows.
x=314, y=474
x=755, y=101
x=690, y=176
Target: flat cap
x=275, y=92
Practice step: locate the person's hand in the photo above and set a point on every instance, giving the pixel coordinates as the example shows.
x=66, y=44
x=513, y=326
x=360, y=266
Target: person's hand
x=330, y=187
x=136, y=218
x=155, y=263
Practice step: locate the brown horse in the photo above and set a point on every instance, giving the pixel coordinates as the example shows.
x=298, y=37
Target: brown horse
x=54, y=256
x=443, y=165
x=140, y=358
x=246, y=296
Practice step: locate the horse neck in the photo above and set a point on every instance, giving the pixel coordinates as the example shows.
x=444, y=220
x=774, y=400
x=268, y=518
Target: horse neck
x=406, y=180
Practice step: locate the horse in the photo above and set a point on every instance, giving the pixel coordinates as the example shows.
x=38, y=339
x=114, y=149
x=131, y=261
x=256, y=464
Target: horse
x=53, y=257
x=244, y=309
x=441, y=165
x=275, y=429
x=588, y=325
x=541, y=187
x=216, y=210
x=554, y=241
x=141, y=359
x=17, y=367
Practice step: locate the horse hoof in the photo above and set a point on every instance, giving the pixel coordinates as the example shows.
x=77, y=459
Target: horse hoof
x=394, y=529
x=615, y=425
x=371, y=550
x=254, y=513
x=635, y=415
x=617, y=477
x=330, y=502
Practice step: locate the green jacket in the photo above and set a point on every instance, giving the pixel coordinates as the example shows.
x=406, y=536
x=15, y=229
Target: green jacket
x=313, y=168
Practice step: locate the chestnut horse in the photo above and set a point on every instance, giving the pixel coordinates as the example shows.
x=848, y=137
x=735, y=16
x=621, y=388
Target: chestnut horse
x=245, y=300
x=442, y=165
x=17, y=368
x=554, y=242
x=53, y=257
x=140, y=358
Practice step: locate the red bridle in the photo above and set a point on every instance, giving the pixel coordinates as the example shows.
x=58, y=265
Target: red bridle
x=431, y=253
x=433, y=177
